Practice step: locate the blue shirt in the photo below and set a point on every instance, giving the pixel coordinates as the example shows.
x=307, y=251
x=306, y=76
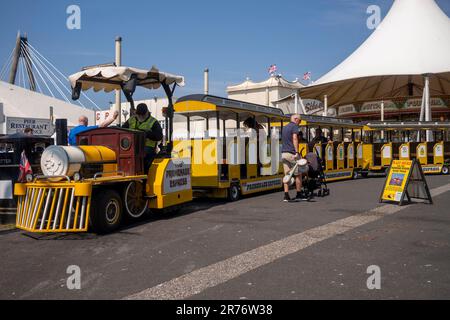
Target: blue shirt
x=286, y=138
x=78, y=129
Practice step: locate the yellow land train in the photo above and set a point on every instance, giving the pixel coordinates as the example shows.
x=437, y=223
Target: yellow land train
x=339, y=153
x=387, y=141
x=97, y=182
x=234, y=146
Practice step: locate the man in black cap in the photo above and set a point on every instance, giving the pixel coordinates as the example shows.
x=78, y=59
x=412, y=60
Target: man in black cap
x=143, y=121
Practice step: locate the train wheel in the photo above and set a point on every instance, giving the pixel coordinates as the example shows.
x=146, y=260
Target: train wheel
x=135, y=202
x=234, y=193
x=445, y=170
x=355, y=175
x=107, y=211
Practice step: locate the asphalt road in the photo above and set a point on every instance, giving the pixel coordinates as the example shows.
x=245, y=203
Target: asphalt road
x=256, y=248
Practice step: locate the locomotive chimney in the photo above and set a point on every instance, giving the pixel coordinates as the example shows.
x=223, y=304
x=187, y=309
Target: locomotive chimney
x=206, y=77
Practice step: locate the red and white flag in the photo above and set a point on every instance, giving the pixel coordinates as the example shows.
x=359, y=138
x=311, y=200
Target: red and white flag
x=24, y=167
x=307, y=76
x=273, y=68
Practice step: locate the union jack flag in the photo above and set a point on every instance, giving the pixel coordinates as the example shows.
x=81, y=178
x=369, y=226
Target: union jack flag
x=24, y=167
x=273, y=68
x=307, y=76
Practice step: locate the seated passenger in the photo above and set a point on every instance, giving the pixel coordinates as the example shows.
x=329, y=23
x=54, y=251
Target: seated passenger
x=83, y=126
x=251, y=123
x=319, y=137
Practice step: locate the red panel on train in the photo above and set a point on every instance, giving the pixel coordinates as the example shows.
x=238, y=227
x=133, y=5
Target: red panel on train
x=127, y=144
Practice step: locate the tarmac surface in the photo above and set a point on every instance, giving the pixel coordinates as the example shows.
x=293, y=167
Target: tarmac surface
x=256, y=248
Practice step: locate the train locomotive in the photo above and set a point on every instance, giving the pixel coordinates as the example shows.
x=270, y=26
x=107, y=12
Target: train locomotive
x=93, y=185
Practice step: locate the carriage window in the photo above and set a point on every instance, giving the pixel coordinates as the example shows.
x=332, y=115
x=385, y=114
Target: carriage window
x=347, y=135
x=262, y=123
x=326, y=132
x=6, y=148
x=179, y=127
x=213, y=130
x=337, y=135
x=439, y=136
x=367, y=137
x=396, y=136
x=357, y=135
x=198, y=128
x=303, y=135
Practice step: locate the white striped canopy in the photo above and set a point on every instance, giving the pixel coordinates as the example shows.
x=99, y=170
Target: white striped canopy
x=111, y=78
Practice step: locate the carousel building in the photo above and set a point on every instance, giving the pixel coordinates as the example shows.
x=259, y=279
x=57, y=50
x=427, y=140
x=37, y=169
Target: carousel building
x=401, y=72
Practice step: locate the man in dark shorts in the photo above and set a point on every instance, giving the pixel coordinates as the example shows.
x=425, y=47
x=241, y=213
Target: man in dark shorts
x=290, y=156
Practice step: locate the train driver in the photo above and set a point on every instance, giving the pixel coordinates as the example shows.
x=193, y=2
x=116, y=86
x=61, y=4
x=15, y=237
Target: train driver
x=143, y=121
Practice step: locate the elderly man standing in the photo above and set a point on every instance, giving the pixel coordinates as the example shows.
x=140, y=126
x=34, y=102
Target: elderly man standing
x=290, y=156
x=83, y=126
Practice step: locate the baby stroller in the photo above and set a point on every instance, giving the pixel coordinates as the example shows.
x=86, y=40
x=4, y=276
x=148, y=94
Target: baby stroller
x=315, y=179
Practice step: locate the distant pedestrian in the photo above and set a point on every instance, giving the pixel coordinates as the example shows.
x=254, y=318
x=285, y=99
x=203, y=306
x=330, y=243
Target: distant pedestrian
x=28, y=131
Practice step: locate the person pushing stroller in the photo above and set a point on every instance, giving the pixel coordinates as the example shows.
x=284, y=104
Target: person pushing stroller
x=290, y=156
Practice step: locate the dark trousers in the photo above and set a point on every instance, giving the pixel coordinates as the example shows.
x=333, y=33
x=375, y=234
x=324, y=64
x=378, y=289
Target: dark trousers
x=150, y=155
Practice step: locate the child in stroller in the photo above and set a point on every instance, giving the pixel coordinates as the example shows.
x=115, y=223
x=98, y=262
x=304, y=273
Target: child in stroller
x=315, y=179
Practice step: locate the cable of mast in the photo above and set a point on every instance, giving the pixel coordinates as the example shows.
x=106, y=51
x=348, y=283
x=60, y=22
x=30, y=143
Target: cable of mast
x=60, y=73
x=42, y=78
x=7, y=64
x=38, y=64
x=44, y=66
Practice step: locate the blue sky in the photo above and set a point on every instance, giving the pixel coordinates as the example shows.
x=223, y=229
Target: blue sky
x=234, y=39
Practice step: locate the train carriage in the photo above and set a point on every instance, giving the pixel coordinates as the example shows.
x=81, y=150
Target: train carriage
x=406, y=140
x=234, y=146
x=339, y=154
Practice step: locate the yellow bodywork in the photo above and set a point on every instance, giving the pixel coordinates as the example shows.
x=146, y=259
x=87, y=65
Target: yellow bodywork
x=386, y=155
x=158, y=187
x=438, y=153
x=100, y=154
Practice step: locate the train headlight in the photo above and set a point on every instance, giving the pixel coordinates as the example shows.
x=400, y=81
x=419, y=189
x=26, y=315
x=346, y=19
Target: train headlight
x=29, y=177
x=76, y=176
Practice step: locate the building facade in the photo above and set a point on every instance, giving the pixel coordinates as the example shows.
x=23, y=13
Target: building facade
x=267, y=92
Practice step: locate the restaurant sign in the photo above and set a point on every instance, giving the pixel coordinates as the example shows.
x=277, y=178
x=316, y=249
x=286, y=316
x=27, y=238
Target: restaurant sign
x=41, y=127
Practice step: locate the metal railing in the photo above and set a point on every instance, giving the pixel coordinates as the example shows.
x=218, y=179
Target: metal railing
x=53, y=209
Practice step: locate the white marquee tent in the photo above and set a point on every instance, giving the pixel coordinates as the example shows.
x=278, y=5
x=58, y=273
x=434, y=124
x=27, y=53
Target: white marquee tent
x=408, y=53
x=17, y=102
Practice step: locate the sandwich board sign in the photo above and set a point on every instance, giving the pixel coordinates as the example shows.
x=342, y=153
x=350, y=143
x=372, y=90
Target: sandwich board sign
x=405, y=179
